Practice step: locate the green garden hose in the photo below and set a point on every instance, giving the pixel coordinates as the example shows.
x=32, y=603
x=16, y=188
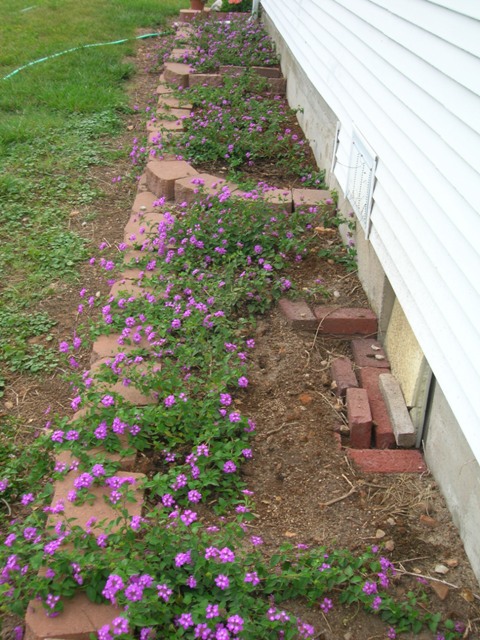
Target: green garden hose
x=83, y=46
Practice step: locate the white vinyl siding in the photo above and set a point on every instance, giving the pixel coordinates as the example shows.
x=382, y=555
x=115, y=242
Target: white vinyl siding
x=406, y=75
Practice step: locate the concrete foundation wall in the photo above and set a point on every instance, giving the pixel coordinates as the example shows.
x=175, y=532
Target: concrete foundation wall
x=456, y=471
x=447, y=452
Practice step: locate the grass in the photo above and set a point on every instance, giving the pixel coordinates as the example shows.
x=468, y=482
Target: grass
x=55, y=117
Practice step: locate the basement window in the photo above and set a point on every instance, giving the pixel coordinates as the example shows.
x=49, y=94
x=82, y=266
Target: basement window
x=360, y=180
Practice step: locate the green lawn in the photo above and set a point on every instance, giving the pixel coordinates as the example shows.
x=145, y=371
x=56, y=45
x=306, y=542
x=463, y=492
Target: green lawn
x=54, y=117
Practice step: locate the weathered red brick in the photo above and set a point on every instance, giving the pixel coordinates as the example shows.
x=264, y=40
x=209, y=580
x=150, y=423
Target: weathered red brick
x=368, y=352
x=298, y=314
x=388, y=460
x=343, y=375
x=383, y=435
x=346, y=321
x=359, y=418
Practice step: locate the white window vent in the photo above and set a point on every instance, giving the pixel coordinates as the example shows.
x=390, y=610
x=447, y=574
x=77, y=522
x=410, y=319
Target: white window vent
x=360, y=181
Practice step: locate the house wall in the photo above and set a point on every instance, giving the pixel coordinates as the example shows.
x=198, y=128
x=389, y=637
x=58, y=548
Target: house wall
x=406, y=76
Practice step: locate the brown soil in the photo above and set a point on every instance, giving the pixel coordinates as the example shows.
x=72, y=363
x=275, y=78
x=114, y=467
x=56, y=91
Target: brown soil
x=298, y=465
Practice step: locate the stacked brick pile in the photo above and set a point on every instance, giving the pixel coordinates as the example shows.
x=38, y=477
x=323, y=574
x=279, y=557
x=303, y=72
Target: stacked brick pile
x=378, y=420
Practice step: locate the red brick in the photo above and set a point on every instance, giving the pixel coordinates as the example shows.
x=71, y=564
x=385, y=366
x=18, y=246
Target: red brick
x=298, y=314
x=177, y=73
x=346, y=321
x=187, y=189
x=79, y=620
x=162, y=174
x=205, y=80
x=388, y=460
x=343, y=375
x=383, y=435
x=359, y=418
x=368, y=352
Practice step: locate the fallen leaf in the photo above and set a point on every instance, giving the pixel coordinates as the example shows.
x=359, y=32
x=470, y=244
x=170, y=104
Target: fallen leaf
x=375, y=347
x=305, y=398
x=429, y=521
x=378, y=356
x=289, y=534
x=451, y=562
x=389, y=545
x=467, y=595
x=440, y=589
x=380, y=533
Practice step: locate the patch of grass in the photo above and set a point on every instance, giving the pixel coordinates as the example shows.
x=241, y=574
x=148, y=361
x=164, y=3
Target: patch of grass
x=57, y=119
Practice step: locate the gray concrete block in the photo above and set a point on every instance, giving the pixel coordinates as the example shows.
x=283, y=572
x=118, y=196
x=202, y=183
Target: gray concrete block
x=402, y=425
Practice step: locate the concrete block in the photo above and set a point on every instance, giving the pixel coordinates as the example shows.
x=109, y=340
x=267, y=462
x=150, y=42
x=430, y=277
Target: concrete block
x=383, y=436
x=298, y=314
x=162, y=174
x=359, y=418
x=397, y=411
x=345, y=321
x=368, y=352
x=343, y=375
x=388, y=460
x=188, y=189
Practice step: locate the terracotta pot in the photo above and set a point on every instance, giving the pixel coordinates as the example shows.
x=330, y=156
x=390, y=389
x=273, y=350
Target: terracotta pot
x=197, y=5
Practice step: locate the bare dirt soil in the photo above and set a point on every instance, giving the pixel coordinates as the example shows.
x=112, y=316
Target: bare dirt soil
x=298, y=467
